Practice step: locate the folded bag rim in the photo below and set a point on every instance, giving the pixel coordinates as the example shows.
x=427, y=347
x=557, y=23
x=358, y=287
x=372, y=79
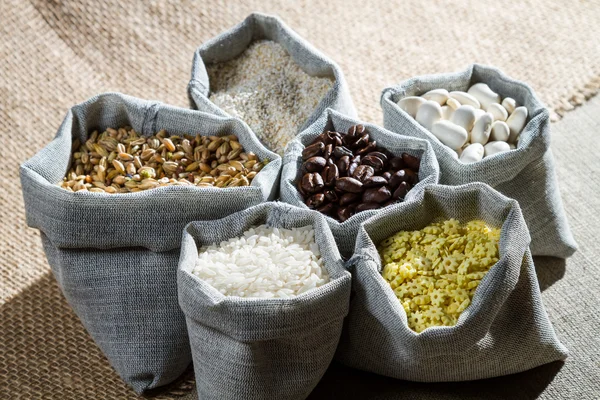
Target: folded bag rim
x=257, y=26
x=38, y=190
x=205, y=304
x=534, y=140
x=292, y=160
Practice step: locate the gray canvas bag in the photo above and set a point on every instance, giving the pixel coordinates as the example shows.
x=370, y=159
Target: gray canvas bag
x=526, y=174
x=230, y=44
x=115, y=256
x=252, y=348
x=345, y=232
x=505, y=330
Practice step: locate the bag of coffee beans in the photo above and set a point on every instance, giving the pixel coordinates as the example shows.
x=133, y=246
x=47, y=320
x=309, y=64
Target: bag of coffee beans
x=524, y=170
x=246, y=345
x=349, y=170
x=111, y=195
x=264, y=73
x=461, y=303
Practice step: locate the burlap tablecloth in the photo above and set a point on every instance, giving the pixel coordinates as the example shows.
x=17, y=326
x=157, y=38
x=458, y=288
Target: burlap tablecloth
x=54, y=54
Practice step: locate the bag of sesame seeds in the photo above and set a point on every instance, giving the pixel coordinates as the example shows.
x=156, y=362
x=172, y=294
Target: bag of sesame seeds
x=504, y=330
x=345, y=232
x=115, y=255
x=270, y=77
x=261, y=348
x=526, y=174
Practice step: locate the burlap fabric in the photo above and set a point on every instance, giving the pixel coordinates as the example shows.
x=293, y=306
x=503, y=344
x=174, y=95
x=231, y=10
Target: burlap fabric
x=345, y=232
x=115, y=256
x=525, y=174
x=257, y=26
x=56, y=54
x=505, y=329
x=247, y=348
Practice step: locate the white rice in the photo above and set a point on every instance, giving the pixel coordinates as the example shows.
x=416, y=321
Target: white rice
x=268, y=90
x=265, y=262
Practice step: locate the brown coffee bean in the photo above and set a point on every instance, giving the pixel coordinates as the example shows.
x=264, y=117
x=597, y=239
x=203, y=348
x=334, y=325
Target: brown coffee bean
x=330, y=161
x=375, y=181
x=316, y=200
x=312, y=183
x=351, y=168
x=389, y=203
x=363, y=172
x=343, y=213
x=348, y=198
x=333, y=138
x=373, y=161
x=315, y=149
x=411, y=162
x=367, y=149
x=360, y=129
x=342, y=151
x=398, y=177
x=379, y=154
x=400, y=192
x=315, y=164
x=396, y=163
x=328, y=150
x=331, y=196
x=367, y=206
x=328, y=209
x=330, y=174
x=361, y=142
x=349, y=185
x=376, y=195
x=412, y=177
x=387, y=175
x=343, y=164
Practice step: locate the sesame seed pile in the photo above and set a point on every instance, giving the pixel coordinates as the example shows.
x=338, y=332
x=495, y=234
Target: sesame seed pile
x=268, y=90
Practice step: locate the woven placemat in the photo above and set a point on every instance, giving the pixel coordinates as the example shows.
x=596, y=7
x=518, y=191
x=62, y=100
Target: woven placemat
x=55, y=54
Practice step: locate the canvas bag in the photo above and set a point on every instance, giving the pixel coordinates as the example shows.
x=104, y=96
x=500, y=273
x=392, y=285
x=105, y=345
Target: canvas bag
x=115, y=256
x=345, y=232
x=257, y=26
x=526, y=174
x=252, y=348
x=505, y=330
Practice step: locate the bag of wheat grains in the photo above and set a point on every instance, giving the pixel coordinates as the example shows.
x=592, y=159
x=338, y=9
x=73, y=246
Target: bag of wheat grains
x=525, y=173
x=264, y=73
x=112, y=235
x=375, y=137
x=265, y=293
x=444, y=289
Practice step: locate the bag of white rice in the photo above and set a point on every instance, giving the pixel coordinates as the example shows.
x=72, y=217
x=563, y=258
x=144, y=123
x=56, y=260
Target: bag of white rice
x=265, y=293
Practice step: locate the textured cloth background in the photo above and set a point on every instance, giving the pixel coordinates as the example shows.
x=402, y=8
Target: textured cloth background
x=56, y=54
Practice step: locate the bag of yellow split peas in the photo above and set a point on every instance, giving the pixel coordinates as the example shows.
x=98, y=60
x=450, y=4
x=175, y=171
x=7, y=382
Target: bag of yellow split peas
x=445, y=290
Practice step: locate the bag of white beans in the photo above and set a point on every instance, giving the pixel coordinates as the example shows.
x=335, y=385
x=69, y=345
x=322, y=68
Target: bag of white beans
x=115, y=255
x=410, y=328
x=265, y=293
x=264, y=73
x=500, y=136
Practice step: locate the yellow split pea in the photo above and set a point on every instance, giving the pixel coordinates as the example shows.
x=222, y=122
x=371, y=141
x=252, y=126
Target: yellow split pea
x=435, y=271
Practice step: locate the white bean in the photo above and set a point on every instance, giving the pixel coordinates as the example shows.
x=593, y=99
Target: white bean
x=452, y=103
x=411, y=104
x=482, y=129
x=464, y=116
x=465, y=98
x=438, y=95
x=499, y=112
x=483, y=94
x=495, y=147
x=500, y=131
x=429, y=113
x=516, y=123
x=450, y=134
x=510, y=104
x=472, y=153
x=447, y=112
